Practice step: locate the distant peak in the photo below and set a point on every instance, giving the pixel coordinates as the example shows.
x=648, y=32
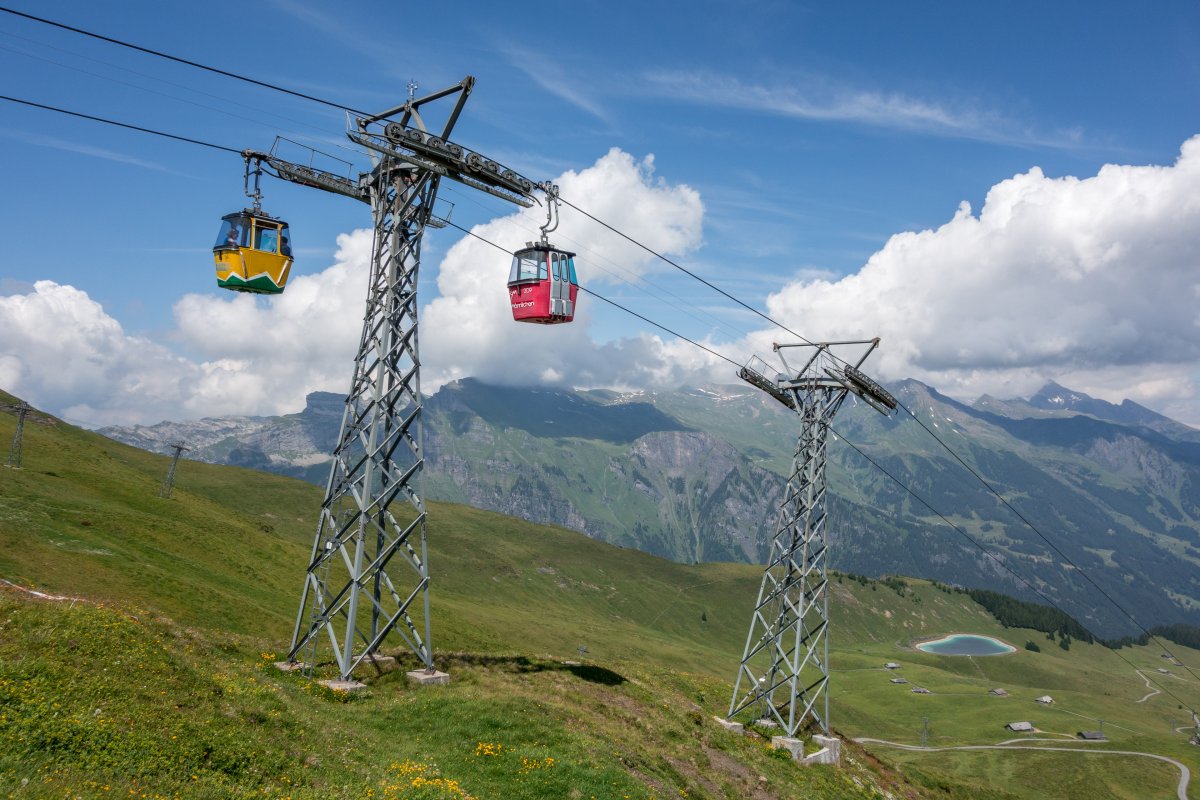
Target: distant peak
x=1054, y=395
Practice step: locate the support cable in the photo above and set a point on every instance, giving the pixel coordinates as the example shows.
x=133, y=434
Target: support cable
x=686, y=271
x=610, y=302
x=184, y=61
x=1042, y=536
x=988, y=552
x=121, y=124
x=225, y=101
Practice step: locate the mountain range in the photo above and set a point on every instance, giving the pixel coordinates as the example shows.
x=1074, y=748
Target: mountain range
x=1101, y=502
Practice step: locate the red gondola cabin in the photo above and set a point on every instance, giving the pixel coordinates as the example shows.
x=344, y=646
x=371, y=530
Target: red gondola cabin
x=542, y=285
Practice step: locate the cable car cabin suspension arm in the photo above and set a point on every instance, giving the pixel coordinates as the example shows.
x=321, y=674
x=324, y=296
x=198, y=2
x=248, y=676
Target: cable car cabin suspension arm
x=551, y=225
x=310, y=176
x=256, y=194
x=450, y=160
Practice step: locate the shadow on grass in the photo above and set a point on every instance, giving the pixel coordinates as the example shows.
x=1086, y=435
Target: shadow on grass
x=526, y=665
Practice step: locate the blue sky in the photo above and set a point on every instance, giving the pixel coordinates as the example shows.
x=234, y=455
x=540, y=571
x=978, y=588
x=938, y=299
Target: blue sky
x=811, y=134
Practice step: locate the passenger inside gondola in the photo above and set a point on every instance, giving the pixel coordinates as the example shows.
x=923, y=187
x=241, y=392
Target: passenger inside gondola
x=233, y=233
x=268, y=240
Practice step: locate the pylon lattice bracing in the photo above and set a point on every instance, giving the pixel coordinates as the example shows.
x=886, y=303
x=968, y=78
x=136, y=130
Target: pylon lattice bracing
x=361, y=539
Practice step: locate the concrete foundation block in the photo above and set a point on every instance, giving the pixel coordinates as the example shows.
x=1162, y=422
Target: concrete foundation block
x=832, y=742
x=729, y=725
x=424, y=678
x=794, y=746
x=830, y=752
x=380, y=663
x=343, y=686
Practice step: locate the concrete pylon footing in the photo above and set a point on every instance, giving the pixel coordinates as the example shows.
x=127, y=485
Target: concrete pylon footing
x=343, y=686
x=381, y=663
x=729, y=725
x=424, y=678
x=830, y=752
x=794, y=746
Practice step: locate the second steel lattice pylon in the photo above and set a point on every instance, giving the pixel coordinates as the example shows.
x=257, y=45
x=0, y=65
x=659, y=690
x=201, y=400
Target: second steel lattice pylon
x=784, y=673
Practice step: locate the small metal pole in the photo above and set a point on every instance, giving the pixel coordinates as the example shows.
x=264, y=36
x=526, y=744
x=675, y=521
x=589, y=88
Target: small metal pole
x=924, y=732
x=14, y=452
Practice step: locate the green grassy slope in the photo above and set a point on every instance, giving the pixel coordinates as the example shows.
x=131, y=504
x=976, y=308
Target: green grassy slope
x=216, y=572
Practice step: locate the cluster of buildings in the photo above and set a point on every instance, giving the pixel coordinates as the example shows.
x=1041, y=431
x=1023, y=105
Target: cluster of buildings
x=1024, y=726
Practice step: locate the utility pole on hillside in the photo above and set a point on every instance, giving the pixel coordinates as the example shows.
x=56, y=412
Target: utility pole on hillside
x=168, y=484
x=785, y=664
x=14, y=450
x=368, y=574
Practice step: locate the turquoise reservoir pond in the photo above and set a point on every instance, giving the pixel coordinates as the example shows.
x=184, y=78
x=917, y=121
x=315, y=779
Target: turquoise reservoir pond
x=966, y=644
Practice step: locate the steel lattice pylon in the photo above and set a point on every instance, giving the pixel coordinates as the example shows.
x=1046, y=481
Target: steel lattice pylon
x=368, y=574
x=359, y=535
x=784, y=673
x=168, y=484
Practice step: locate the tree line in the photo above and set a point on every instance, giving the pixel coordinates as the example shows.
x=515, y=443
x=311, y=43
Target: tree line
x=1013, y=613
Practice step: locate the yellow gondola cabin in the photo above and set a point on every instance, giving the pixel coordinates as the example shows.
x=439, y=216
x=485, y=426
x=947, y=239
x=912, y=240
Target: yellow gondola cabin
x=253, y=253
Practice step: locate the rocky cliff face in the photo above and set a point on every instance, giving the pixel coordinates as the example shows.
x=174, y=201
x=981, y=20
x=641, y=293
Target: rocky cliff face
x=684, y=494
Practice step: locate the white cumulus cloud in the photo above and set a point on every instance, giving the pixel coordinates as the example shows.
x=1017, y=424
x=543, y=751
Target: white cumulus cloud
x=1092, y=282
x=65, y=354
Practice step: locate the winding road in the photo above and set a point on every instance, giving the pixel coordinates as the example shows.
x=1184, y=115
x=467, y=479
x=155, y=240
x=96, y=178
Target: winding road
x=1148, y=686
x=1185, y=774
